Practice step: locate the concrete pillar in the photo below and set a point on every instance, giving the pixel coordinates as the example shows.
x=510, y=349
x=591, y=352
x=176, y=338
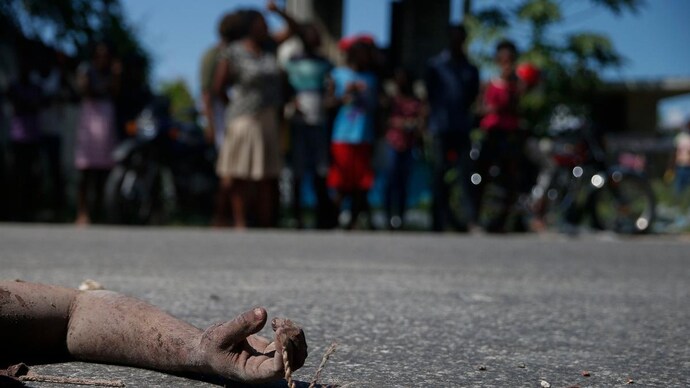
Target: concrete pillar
x=419, y=30
x=301, y=10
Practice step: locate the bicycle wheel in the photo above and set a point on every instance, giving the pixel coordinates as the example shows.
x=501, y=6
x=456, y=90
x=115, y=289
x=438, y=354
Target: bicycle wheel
x=131, y=199
x=625, y=204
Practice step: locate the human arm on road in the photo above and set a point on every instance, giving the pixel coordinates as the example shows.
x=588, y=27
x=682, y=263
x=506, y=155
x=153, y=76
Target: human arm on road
x=103, y=326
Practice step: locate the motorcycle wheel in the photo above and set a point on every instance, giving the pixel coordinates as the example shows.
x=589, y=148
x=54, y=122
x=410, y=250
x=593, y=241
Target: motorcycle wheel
x=113, y=202
x=561, y=199
x=129, y=200
x=625, y=204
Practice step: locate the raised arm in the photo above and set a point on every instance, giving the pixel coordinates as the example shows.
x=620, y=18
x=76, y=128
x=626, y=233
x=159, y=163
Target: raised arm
x=104, y=326
x=292, y=25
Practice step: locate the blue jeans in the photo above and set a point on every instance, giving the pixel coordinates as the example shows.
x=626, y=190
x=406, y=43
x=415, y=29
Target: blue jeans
x=451, y=150
x=682, y=181
x=397, y=177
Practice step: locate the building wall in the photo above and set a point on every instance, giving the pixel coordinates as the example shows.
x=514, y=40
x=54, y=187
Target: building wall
x=419, y=30
x=642, y=112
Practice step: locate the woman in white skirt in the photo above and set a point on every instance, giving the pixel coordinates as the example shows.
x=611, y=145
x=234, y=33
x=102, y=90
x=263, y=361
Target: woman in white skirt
x=249, y=160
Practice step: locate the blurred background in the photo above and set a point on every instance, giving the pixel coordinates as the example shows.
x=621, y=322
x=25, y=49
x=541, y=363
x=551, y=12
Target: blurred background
x=107, y=111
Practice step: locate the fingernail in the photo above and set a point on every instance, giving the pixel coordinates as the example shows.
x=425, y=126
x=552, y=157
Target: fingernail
x=258, y=313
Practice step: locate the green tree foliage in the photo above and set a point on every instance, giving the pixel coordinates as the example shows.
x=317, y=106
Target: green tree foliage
x=181, y=100
x=71, y=25
x=570, y=63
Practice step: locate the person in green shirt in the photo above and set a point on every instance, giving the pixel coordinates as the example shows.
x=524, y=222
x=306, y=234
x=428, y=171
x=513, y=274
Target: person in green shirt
x=308, y=73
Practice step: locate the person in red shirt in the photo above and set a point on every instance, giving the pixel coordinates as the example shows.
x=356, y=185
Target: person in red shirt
x=503, y=139
x=404, y=126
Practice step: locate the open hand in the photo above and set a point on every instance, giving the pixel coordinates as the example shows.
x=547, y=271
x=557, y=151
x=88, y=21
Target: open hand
x=232, y=349
x=272, y=6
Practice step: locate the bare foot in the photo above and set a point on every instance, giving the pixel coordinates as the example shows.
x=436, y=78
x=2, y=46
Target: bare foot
x=537, y=225
x=82, y=220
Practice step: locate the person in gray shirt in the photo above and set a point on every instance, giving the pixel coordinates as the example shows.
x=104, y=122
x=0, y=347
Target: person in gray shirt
x=249, y=160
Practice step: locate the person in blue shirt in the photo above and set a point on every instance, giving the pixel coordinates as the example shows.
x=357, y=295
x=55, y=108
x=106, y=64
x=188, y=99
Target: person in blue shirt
x=355, y=89
x=452, y=84
x=307, y=73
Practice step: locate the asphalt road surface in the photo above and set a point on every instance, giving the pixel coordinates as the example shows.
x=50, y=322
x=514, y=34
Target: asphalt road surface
x=407, y=310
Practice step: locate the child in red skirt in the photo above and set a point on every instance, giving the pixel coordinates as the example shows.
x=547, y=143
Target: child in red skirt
x=355, y=89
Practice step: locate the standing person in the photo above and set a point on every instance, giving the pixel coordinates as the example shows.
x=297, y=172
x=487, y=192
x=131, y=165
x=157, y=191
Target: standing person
x=503, y=143
x=405, y=122
x=58, y=92
x=98, y=83
x=307, y=73
x=249, y=159
x=355, y=90
x=214, y=106
x=25, y=141
x=452, y=84
x=681, y=161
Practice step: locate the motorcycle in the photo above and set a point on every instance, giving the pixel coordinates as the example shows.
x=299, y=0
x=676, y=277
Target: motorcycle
x=163, y=169
x=575, y=181
x=579, y=181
